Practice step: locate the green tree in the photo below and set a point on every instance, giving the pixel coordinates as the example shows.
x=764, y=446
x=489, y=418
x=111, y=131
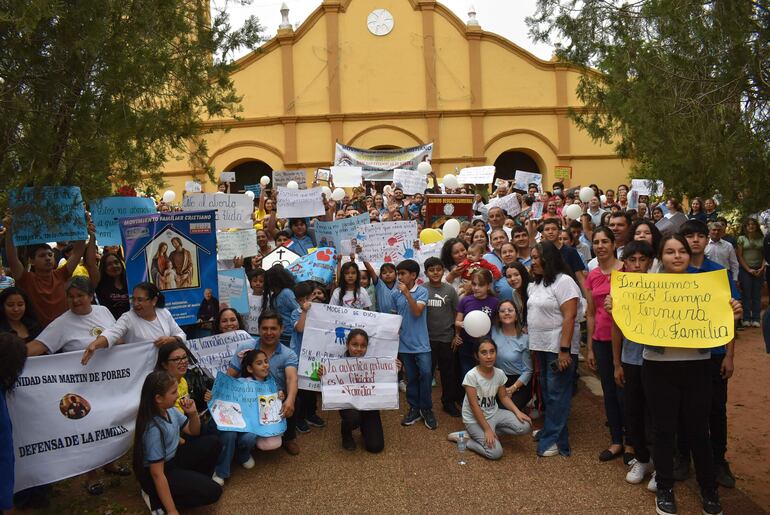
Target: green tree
x=683, y=87
x=100, y=93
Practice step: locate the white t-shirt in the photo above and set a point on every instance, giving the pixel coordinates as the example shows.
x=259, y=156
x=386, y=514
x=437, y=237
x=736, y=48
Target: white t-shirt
x=544, y=318
x=362, y=302
x=134, y=329
x=486, y=393
x=70, y=332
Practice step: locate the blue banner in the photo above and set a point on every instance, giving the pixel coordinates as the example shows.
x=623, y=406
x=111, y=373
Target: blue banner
x=47, y=214
x=317, y=266
x=233, y=290
x=247, y=406
x=105, y=213
x=177, y=253
x=331, y=234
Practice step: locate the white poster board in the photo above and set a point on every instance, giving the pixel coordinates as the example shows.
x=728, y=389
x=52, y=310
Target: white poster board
x=411, y=181
x=510, y=203
x=227, y=177
x=300, y=203
x=214, y=352
x=233, y=210
x=523, y=179
x=282, y=177
x=647, y=186
x=359, y=383
x=388, y=242
x=477, y=175
x=237, y=243
x=346, y=176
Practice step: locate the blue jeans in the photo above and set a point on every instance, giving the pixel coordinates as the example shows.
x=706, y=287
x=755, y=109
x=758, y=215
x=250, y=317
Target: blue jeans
x=233, y=444
x=556, y=389
x=417, y=368
x=613, y=394
x=751, y=295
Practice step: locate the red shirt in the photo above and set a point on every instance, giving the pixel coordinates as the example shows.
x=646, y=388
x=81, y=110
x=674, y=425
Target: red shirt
x=46, y=293
x=475, y=265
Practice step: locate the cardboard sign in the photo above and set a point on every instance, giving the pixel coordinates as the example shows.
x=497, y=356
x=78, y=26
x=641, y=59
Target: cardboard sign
x=360, y=383
x=440, y=208
x=227, y=177
x=648, y=186
x=282, y=177
x=317, y=266
x=509, y=203
x=332, y=234
x=233, y=289
x=477, y=175
x=411, y=181
x=193, y=187
x=523, y=179
x=214, y=352
x=322, y=174
x=247, y=406
x=237, y=243
x=299, y=203
x=346, y=176
x=233, y=210
x=105, y=213
x=388, y=242
x=47, y=214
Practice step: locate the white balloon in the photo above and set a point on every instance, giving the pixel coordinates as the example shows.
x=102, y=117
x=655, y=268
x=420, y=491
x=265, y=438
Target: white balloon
x=338, y=194
x=265, y=180
x=477, y=324
x=387, y=189
x=587, y=193
x=424, y=168
x=326, y=191
x=219, y=193
x=573, y=211
x=292, y=185
x=250, y=194
x=169, y=196
x=451, y=228
x=603, y=198
x=450, y=181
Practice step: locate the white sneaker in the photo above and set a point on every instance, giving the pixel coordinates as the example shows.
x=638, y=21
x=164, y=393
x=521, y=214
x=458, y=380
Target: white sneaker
x=534, y=414
x=756, y=323
x=551, y=451
x=454, y=437
x=745, y=323
x=652, y=486
x=248, y=464
x=535, y=433
x=218, y=480
x=638, y=471
x=402, y=385
x=146, y=499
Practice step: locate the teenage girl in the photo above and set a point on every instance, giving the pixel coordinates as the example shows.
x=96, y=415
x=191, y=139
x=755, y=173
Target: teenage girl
x=482, y=299
x=279, y=296
x=350, y=293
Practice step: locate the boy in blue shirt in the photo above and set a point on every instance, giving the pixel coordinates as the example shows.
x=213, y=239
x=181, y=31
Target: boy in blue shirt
x=413, y=344
x=384, y=285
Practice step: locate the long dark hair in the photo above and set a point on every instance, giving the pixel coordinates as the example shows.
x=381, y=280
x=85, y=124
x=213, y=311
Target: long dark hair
x=656, y=234
x=13, y=355
x=248, y=359
x=218, y=330
x=446, y=251
x=356, y=284
x=277, y=279
x=28, y=319
x=165, y=350
x=156, y=383
x=552, y=264
x=525, y=280
x=105, y=282
x=152, y=293
x=678, y=237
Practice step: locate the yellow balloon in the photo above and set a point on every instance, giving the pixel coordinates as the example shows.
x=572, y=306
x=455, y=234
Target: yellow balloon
x=428, y=236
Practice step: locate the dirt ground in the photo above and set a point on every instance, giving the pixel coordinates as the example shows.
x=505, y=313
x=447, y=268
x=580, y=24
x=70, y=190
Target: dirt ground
x=419, y=471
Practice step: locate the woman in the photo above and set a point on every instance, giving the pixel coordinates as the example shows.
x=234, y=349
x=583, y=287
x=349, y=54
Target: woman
x=710, y=210
x=508, y=256
x=159, y=265
x=228, y=320
x=657, y=214
x=552, y=307
x=16, y=315
x=517, y=277
x=697, y=211
x=13, y=355
x=174, y=358
x=599, y=358
x=147, y=321
x=677, y=384
x=497, y=238
x=751, y=272
x=279, y=296
x=379, y=204
x=453, y=254
x=480, y=236
x=551, y=210
x=644, y=230
x=111, y=285
x=467, y=234
x=513, y=353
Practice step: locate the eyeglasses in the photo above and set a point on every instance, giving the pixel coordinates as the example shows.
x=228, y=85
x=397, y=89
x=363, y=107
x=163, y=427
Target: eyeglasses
x=139, y=299
x=177, y=361
x=509, y=310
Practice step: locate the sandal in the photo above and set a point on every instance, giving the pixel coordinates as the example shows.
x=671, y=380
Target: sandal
x=117, y=469
x=96, y=488
x=607, y=455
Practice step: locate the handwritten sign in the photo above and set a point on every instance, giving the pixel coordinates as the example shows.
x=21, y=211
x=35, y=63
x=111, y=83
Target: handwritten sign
x=647, y=186
x=233, y=210
x=256, y=189
x=247, y=406
x=227, y=177
x=282, y=177
x=193, y=187
x=360, y=383
x=237, y=243
x=214, y=352
x=233, y=291
x=105, y=213
x=332, y=234
x=522, y=180
x=509, y=203
x=388, y=242
x=47, y=214
x=477, y=175
x=251, y=320
x=673, y=310
x=318, y=266
x=347, y=176
x=411, y=181
x=300, y=203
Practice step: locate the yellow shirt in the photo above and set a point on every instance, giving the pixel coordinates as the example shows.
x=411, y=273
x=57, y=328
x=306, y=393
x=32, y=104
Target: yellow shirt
x=183, y=391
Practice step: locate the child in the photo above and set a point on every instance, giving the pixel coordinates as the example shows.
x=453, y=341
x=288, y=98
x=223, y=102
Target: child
x=384, y=286
x=482, y=299
x=442, y=305
x=475, y=261
x=368, y=285
x=414, y=345
x=483, y=419
x=257, y=281
x=255, y=365
x=172, y=475
x=169, y=277
x=349, y=293
x=13, y=353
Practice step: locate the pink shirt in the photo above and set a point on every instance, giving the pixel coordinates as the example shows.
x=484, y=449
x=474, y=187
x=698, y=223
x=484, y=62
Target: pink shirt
x=598, y=286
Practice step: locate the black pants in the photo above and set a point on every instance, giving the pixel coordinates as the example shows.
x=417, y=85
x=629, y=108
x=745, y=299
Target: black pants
x=613, y=394
x=521, y=397
x=306, y=404
x=444, y=357
x=675, y=388
x=188, y=474
x=634, y=404
x=370, y=424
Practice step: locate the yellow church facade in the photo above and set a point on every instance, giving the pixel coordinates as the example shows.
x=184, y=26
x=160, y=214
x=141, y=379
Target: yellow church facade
x=396, y=74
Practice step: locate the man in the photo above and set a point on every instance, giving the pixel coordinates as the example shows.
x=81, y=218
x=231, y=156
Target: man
x=595, y=211
x=720, y=251
x=551, y=230
x=609, y=195
x=521, y=240
x=181, y=260
x=496, y=218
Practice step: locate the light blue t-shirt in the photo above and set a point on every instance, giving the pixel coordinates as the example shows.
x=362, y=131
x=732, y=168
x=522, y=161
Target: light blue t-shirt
x=161, y=437
x=503, y=289
x=493, y=259
x=282, y=358
x=285, y=303
x=513, y=356
x=296, y=336
x=413, y=336
x=385, y=296
x=632, y=353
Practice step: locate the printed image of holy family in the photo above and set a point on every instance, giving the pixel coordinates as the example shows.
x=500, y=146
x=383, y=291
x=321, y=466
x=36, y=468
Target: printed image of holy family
x=172, y=262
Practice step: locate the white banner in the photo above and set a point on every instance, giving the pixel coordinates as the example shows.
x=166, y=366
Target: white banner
x=647, y=186
x=359, y=383
x=326, y=330
x=233, y=210
x=282, y=177
x=477, y=175
x=237, y=243
x=388, y=242
x=346, y=176
x=510, y=203
x=378, y=165
x=214, y=352
x=523, y=179
x=300, y=203
x=69, y=418
x=411, y=181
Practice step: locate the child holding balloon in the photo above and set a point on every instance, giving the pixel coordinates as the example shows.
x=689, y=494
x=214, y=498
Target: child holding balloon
x=483, y=300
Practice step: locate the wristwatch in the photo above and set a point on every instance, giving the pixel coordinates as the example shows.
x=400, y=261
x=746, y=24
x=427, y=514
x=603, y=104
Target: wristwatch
x=564, y=349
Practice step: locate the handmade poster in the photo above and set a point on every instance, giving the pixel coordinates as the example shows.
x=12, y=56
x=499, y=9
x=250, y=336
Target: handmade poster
x=47, y=214
x=332, y=234
x=477, y=175
x=227, y=177
x=193, y=187
x=299, y=203
x=562, y=173
x=673, y=310
x=346, y=176
x=282, y=177
x=68, y=418
x=536, y=212
x=411, y=181
x=522, y=180
x=256, y=189
x=233, y=290
x=427, y=251
x=322, y=174
x=366, y=383
x=105, y=213
x=633, y=199
x=237, y=243
x=509, y=203
x=388, y=242
x=648, y=186
x=440, y=208
x=317, y=266
x=251, y=320
x=247, y=406
x=326, y=330
x=176, y=252
x=214, y=352
x=279, y=256
x=378, y=165
x=233, y=210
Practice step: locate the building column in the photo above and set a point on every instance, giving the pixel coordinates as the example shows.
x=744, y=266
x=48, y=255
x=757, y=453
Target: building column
x=285, y=38
x=473, y=33
x=428, y=10
x=563, y=122
x=332, y=8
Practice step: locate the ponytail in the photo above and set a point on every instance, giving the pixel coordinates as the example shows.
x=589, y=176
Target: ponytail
x=152, y=293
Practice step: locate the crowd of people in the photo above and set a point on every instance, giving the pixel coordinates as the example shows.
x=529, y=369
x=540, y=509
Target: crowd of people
x=544, y=281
